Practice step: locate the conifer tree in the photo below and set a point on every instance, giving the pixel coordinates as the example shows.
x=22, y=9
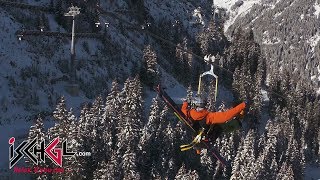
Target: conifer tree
x=150, y=71
x=112, y=168
x=131, y=116
x=318, y=146
x=128, y=133
x=65, y=129
x=294, y=156
x=99, y=126
x=112, y=114
x=148, y=145
x=207, y=163
x=37, y=133
x=101, y=171
x=85, y=143
x=184, y=174
x=130, y=169
x=189, y=93
x=61, y=116
x=285, y=172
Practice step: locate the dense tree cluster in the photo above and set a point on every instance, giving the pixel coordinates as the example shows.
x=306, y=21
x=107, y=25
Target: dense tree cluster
x=280, y=134
x=289, y=47
x=127, y=145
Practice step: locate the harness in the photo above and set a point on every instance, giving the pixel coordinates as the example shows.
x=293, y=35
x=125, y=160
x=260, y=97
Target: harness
x=203, y=132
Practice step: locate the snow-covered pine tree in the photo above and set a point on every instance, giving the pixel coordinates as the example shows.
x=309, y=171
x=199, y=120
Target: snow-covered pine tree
x=310, y=132
x=236, y=83
x=257, y=100
x=148, y=145
x=245, y=158
x=37, y=131
x=60, y=115
x=101, y=171
x=65, y=129
x=112, y=168
x=129, y=126
x=184, y=174
x=211, y=39
x=182, y=53
x=91, y=127
x=71, y=164
x=189, y=93
x=285, y=172
x=154, y=174
x=149, y=130
x=318, y=146
x=164, y=119
x=150, y=71
x=112, y=114
x=99, y=125
x=168, y=152
x=269, y=152
x=131, y=116
x=294, y=156
x=207, y=163
x=211, y=96
x=246, y=89
x=85, y=142
x=129, y=166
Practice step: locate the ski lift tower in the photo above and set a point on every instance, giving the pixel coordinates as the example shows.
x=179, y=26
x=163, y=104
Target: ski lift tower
x=73, y=87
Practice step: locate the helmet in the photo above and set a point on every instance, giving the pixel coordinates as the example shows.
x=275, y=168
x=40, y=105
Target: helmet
x=199, y=102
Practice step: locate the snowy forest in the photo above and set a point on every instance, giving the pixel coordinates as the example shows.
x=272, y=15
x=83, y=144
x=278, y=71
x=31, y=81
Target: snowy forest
x=127, y=144
x=130, y=132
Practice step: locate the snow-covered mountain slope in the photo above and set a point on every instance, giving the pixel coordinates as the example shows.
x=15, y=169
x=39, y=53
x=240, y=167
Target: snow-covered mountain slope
x=36, y=68
x=289, y=37
x=235, y=9
x=29, y=82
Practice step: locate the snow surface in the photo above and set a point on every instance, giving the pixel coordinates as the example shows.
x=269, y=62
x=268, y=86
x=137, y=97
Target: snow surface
x=264, y=95
x=317, y=8
x=312, y=173
x=234, y=14
x=198, y=16
x=313, y=41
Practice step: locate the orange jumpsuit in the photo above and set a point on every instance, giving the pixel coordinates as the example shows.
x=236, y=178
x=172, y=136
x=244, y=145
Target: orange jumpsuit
x=212, y=117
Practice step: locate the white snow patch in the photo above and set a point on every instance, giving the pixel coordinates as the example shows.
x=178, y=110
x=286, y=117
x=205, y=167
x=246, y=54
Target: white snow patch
x=273, y=41
x=239, y=11
x=302, y=16
x=313, y=41
x=198, y=16
x=277, y=14
x=312, y=172
x=268, y=79
x=317, y=8
x=264, y=95
x=313, y=77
